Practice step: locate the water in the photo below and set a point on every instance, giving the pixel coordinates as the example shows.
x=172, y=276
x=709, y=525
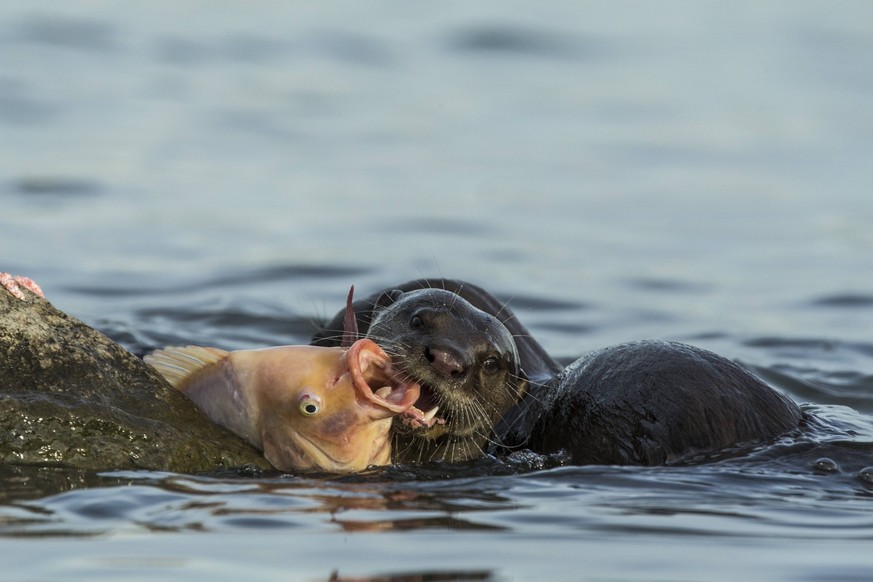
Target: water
x=220, y=173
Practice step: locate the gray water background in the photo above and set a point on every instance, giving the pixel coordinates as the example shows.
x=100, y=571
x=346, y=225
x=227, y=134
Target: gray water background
x=220, y=173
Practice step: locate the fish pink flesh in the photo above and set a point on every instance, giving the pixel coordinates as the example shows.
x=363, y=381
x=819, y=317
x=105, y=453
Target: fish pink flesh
x=397, y=394
x=14, y=283
x=370, y=367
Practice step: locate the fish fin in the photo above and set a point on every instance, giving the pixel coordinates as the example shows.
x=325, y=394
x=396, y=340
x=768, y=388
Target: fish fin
x=176, y=364
x=206, y=376
x=350, y=322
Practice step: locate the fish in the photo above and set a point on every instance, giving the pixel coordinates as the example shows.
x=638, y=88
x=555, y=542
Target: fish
x=307, y=408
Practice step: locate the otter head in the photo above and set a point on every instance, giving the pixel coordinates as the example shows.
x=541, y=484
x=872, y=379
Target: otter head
x=466, y=363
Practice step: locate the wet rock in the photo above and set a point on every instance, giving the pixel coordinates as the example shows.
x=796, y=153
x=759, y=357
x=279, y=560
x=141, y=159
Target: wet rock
x=70, y=396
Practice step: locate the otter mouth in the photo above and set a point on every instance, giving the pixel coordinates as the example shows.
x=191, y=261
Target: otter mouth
x=378, y=383
x=424, y=413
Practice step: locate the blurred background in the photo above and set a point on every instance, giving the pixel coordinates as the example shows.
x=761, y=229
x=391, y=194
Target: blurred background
x=692, y=170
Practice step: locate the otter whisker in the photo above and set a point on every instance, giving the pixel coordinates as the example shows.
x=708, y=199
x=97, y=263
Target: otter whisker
x=505, y=305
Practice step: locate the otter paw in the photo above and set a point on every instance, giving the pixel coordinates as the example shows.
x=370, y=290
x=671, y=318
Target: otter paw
x=14, y=283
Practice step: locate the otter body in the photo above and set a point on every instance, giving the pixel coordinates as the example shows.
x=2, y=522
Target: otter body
x=649, y=403
x=642, y=403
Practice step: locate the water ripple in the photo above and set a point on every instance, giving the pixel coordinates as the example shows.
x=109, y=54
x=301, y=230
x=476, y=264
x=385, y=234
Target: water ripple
x=849, y=301
x=229, y=278
x=513, y=40
x=56, y=185
x=69, y=33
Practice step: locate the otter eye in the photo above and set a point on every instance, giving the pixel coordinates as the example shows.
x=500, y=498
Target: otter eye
x=491, y=366
x=416, y=322
x=309, y=404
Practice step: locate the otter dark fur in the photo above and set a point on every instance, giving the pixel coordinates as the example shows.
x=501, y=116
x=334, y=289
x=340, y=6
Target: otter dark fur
x=649, y=403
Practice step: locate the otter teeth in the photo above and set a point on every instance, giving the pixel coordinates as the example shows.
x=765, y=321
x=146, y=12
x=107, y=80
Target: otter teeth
x=428, y=416
x=383, y=392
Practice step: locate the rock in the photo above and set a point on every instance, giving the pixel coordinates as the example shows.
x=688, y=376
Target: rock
x=72, y=397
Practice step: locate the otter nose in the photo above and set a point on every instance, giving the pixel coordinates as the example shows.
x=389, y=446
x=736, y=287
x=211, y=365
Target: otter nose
x=446, y=362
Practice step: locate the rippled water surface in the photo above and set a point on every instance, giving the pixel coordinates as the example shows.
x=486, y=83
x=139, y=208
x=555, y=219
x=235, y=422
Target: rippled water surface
x=220, y=173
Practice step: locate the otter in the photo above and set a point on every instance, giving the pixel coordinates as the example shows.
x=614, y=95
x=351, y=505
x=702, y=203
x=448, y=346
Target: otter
x=648, y=402
x=473, y=364
x=641, y=403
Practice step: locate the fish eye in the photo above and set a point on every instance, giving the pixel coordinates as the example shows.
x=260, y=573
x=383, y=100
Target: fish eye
x=309, y=404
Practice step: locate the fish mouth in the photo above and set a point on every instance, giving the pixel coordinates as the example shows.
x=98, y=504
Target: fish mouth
x=378, y=383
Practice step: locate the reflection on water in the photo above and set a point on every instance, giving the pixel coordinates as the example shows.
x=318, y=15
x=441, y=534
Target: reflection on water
x=780, y=491
x=825, y=467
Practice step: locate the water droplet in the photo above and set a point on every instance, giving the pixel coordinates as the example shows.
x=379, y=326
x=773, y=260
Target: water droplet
x=866, y=474
x=826, y=465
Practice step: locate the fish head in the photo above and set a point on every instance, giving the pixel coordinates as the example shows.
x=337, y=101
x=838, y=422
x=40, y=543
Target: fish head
x=329, y=408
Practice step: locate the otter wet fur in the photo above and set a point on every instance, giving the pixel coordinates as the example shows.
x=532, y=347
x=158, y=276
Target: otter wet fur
x=649, y=402
x=466, y=363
